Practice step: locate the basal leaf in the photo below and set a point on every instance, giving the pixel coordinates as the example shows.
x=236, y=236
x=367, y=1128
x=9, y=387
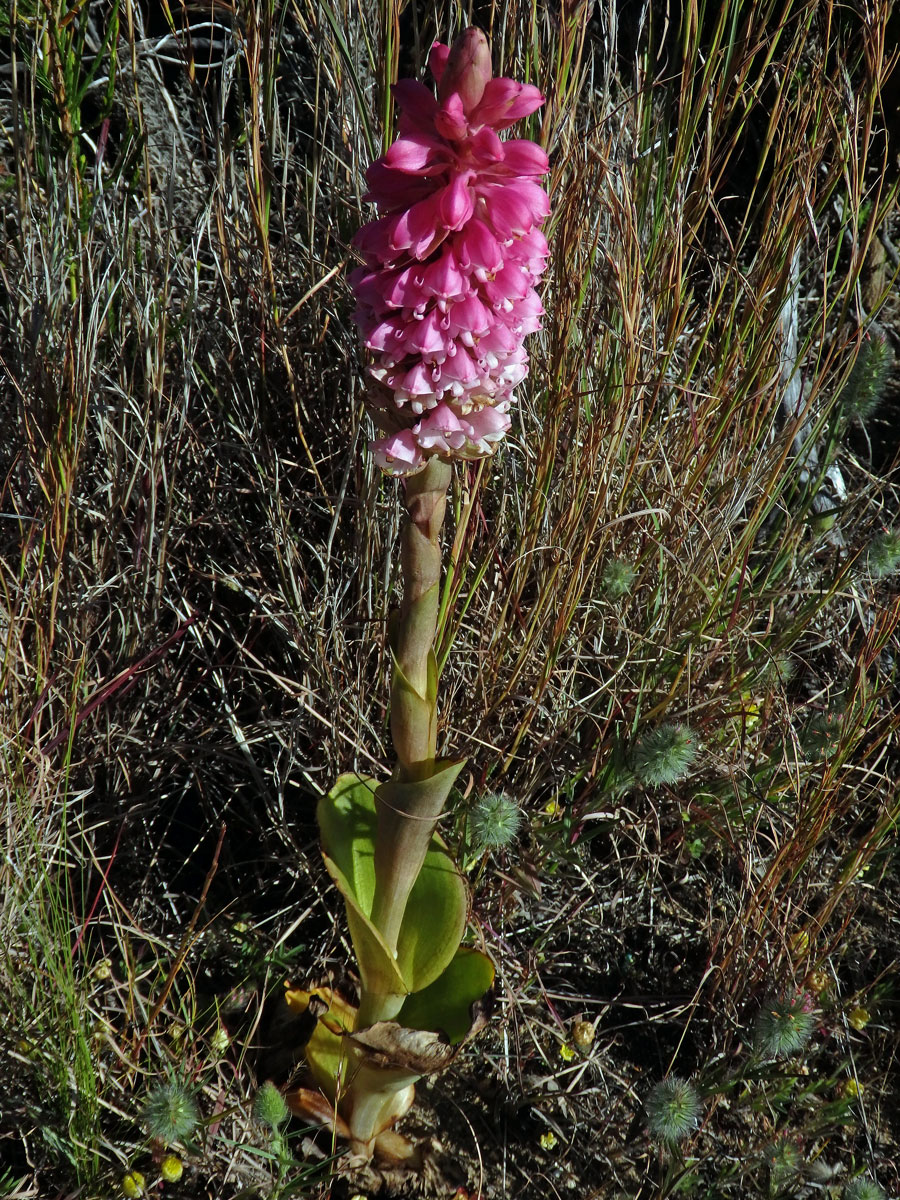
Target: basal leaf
x=435, y=916
x=446, y=1006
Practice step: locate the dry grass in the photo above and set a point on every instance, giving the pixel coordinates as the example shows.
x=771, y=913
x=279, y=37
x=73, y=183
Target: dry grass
x=197, y=565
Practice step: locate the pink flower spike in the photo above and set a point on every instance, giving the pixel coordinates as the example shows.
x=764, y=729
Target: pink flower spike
x=446, y=295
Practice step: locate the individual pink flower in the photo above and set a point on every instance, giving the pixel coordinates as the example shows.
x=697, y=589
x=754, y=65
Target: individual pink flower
x=447, y=293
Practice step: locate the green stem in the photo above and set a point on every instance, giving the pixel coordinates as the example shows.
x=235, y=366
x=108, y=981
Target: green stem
x=377, y=1006
x=414, y=732
x=409, y=805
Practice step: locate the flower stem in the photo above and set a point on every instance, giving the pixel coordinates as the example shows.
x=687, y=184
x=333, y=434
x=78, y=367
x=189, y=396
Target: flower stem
x=409, y=805
x=414, y=726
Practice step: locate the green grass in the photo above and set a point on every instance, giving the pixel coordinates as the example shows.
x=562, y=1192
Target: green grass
x=689, y=532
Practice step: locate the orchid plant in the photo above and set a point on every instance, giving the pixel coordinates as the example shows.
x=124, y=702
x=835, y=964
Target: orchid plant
x=445, y=298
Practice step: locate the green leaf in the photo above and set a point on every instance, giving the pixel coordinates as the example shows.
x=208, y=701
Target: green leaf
x=326, y=1051
x=435, y=916
x=434, y=921
x=446, y=1005
x=346, y=819
x=378, y=968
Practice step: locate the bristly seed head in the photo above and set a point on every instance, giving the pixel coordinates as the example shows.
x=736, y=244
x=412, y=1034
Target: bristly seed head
x=673, y=1108
x=494, y=822
x=863, y=1188
x=664, y=755
x=783, y=1158
x=883, y=557
x=170, y=1113
x=617, y=578
x=784, y=1025
x=865, y=386
x=821, y=739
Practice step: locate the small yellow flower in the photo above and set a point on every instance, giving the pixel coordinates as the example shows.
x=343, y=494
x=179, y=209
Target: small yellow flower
x=851, y=1089
x=219, y=1042
x=552, y=809
x=583, y=1034
x=171, y=1168
x=859, y=1018
x=799, y=943
x=751, y=709
x=548, y=1140
x=817, y=981
x=566, y=1053
x=133, y=1185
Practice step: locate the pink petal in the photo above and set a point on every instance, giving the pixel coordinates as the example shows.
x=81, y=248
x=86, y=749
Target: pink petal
x=441, y=430
x=428, y=336
x=374, y=241
x=524, y=157
x=391, y=189
x=398, y=454
x=368, y=286
x=386, y=336
x=514, y=369
x=488, y=425
x=437, y=60
x=443, y=277
x=476, y=246
x=499, y=341
x=507, y=214
x=412, y=153
x=459, y=370
x=470, y=316
x=404, y=290
x=487, y=149
x=513, y=208
x=417, y=381
x=417, y=105
x=457, y=202
x=509, y=283
x=419, y=230
x=504, y=102
x=450, y=121
x=530, y=251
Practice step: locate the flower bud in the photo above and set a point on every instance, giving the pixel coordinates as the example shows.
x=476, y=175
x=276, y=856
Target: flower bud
x=171, y=1168
x=468, y=69
x=859, y=1018
x=133, y=1185
x=269, y=1107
